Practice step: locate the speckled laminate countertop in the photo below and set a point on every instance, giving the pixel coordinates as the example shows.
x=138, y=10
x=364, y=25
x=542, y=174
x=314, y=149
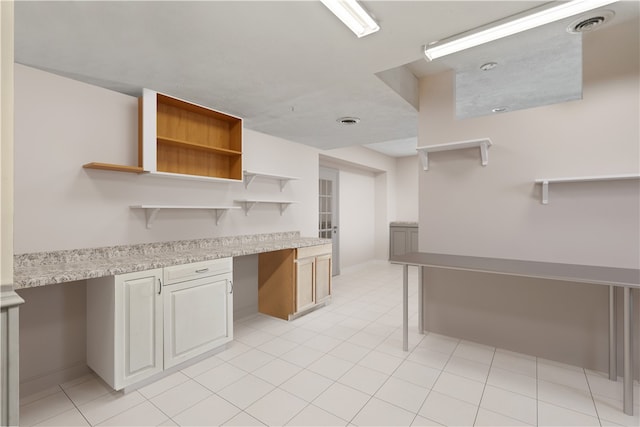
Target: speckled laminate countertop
x=48, y=268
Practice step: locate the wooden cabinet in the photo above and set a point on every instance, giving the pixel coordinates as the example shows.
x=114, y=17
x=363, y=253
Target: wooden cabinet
x=182, y=139
x=292, y=282
x=178, y=137
x=139, y=324
x=403, y=238
x=198, y=309
x=124, y=327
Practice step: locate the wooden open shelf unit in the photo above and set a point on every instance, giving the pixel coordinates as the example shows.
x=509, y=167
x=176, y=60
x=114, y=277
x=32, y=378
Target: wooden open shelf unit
x=180, y=139
x=184, y=138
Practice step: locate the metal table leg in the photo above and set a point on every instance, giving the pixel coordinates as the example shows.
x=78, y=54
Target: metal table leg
x=405, y=307
x=613, y=337
x=420, y=301
x=628, y=356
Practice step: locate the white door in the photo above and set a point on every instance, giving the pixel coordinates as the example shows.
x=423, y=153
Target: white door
x=198, y=317
x=328, y=213
x=140, y=317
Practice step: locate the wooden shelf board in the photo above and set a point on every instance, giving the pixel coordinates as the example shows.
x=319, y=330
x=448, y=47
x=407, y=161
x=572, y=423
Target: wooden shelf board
x=112, y=167
x=196, y=146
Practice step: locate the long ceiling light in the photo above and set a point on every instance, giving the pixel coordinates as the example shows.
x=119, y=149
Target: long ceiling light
x=353, y=16
x=557, y=13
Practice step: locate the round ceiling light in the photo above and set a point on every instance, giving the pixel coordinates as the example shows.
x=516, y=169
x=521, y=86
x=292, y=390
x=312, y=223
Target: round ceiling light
x=348, y=121
x=587, y=23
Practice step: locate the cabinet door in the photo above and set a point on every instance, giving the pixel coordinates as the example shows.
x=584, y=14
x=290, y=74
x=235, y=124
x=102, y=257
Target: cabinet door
x=412, y=239
x=323, y=277
x=398, y=242
x=198, y=317
x=305, y=272
x=138, y=327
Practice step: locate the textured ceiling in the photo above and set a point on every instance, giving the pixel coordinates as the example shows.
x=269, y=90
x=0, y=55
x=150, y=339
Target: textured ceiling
x=289, y=68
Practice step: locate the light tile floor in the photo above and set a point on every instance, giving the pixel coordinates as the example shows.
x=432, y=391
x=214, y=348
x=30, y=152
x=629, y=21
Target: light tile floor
x=343, y=365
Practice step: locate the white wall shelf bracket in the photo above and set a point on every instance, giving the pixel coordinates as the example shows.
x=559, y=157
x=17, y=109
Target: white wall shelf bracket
x=249, y=204
x=151, y=211
x=483, y=144
x=546, y=181
x=250, y=176
x=151, y=214
x=545, y=192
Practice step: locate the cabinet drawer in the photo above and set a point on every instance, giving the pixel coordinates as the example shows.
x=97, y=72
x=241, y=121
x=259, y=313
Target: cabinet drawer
x=311, y=251
x=196, y=270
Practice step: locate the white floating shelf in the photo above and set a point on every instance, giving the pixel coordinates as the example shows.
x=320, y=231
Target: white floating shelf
x=249, y=176
x=152, y=210
x=546, y=181
x=249, y=204
x=483, y=144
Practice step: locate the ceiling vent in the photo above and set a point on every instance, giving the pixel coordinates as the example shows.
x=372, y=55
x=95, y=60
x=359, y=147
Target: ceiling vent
x=589, y=23
x=348, y=121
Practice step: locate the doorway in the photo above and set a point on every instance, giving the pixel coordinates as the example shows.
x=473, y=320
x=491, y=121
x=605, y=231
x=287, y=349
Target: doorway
x=328, y=213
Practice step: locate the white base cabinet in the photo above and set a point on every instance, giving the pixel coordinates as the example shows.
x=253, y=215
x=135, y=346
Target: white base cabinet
x=198, y=313
x=139, y=324
x=124, y=327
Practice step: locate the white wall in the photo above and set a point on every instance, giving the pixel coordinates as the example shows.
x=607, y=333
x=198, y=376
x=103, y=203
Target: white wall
x=62, y=124
x=7, y=147
x=496, y=211
x=52, y=335
x=407, y=169
x=357, y=216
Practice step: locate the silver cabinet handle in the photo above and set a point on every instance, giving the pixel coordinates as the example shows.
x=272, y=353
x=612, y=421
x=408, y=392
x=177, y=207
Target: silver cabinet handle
x=202, y=270
x=159, y=286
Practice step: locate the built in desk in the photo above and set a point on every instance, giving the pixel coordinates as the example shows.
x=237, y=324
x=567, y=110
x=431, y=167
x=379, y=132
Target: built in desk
x=626, y=278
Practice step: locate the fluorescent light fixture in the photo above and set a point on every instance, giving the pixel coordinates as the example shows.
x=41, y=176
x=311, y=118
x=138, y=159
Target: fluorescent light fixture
x=353, y=16
x=546, y=16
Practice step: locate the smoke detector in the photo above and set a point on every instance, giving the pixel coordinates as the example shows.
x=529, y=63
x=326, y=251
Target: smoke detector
x=587, y=23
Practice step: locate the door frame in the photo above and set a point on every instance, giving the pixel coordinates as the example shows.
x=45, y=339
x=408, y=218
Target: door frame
x=333, y=175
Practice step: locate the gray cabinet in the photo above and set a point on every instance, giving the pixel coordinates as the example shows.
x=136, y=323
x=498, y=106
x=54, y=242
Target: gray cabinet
x=403, y=238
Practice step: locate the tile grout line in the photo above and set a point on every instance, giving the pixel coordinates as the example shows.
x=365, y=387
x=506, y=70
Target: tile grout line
x=586, y=377
x=493, y=356
x=537, y=397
